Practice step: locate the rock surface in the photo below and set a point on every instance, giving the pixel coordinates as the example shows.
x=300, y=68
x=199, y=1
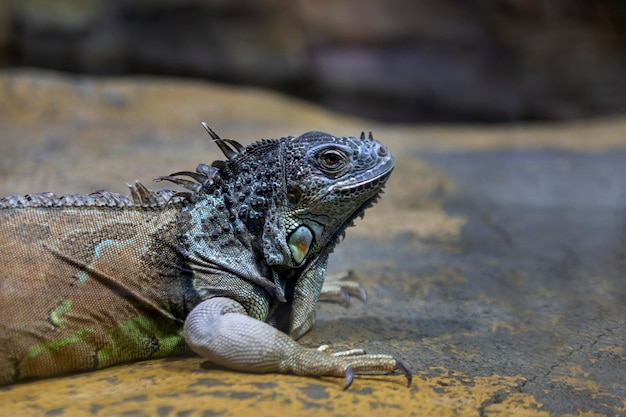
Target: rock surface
x=494, y=261
x=424, y=60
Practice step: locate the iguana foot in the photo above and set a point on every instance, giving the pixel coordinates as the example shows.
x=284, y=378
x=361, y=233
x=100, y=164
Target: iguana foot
x=346, y=363
x=338, y=288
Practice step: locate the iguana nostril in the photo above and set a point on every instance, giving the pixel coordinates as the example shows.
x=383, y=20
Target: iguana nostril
x=381, y=151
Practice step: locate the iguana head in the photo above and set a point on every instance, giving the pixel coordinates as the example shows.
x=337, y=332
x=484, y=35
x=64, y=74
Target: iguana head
x=329, y=182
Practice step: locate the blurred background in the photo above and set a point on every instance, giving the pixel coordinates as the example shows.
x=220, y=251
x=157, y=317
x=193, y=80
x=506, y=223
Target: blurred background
x=394, y=60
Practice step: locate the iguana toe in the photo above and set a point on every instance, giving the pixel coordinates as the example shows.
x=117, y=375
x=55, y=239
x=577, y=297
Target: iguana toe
x=340, y=288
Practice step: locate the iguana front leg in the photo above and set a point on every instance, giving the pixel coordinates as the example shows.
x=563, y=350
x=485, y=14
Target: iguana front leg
x=219, y=330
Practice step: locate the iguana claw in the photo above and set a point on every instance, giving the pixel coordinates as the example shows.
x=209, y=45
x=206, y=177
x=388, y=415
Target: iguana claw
x=405, y=370
x=349, y=375
x=349, y=378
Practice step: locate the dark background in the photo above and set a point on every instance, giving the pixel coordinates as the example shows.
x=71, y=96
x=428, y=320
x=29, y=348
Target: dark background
x=394, y=60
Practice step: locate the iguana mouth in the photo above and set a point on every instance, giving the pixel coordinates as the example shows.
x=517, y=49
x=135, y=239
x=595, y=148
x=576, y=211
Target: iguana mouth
x=381, y=177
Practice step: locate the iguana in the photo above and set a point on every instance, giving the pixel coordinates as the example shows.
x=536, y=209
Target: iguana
x=231, y=268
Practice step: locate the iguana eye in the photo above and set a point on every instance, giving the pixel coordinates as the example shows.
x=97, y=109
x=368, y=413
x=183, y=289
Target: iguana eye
x=332, y=161
x=331, y=158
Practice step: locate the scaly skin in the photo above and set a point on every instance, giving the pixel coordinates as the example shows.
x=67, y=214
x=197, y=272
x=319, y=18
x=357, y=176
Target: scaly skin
x=231, y=269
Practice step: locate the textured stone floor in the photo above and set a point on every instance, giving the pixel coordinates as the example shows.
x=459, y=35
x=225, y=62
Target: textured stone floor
x=494, y=262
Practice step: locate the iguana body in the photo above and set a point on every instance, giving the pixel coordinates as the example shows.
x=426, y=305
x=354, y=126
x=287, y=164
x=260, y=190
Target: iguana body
x=231, y=269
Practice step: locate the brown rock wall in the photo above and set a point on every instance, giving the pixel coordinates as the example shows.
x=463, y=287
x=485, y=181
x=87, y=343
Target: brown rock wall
x=397, y=60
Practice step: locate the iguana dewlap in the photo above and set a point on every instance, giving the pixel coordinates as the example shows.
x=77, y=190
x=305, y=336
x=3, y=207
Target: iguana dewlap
x=230, y=269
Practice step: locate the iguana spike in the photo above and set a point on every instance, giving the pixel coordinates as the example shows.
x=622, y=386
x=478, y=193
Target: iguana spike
x=238, y=146
x=210, y=131
x=39, y=199
x=78, y=200
x=229, y=147
x=114, y=199
x=370, y=136
x=362, y=135
x=134, y=195
x=207, y=171
x=198, y=176
x=146, y=196
x=220, y=165
x=190, y=185
x=228, y=151
x=181, y=195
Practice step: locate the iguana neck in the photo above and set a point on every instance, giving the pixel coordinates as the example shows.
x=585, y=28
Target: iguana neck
x=222, y=229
